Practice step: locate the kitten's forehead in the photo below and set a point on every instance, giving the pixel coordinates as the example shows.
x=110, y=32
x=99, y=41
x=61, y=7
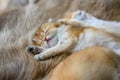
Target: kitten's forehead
x=49, y=26
x=43, y=28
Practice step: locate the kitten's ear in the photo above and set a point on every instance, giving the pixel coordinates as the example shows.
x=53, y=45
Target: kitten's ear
x=50, y=20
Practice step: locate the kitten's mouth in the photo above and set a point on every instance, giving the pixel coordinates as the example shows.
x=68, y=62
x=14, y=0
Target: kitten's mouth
x=48, y=40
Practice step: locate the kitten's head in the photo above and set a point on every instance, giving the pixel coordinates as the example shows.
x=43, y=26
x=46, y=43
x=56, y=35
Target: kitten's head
x=44, y=35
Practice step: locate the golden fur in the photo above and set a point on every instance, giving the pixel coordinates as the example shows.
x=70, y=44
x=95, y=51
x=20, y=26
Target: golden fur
x=95, y=63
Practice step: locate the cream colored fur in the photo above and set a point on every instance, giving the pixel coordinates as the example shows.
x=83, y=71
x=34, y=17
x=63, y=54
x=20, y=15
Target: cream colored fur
x=81, y=17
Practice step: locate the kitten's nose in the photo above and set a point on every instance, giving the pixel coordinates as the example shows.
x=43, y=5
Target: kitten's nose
x=47, y=39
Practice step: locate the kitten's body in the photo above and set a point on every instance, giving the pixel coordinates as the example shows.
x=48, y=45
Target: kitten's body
x=94, y=63
x=71, y=38
x=82, y=17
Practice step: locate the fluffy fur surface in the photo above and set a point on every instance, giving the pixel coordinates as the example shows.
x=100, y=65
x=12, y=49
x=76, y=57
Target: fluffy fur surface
x=18, y=25
x=16, y=64
x=16, y=29
x=103, y=9
x=95, y=63
x=3, y=4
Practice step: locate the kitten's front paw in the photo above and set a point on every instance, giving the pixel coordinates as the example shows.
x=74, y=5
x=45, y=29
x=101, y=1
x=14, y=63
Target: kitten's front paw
x=34, y=49
x=39, y=57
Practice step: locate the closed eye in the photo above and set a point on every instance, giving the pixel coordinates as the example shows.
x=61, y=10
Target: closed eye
x=46, y=31
x=41, y=38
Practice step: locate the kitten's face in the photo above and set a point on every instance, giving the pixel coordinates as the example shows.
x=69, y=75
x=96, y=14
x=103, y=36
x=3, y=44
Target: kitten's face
x=45, y=34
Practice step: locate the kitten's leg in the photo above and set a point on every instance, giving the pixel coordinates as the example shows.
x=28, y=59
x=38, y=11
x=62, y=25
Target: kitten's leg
x=62, y=46
x=72, y=22
x=78, y=17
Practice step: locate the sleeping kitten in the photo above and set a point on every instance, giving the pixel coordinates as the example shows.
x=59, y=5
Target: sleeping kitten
x=52, y=39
